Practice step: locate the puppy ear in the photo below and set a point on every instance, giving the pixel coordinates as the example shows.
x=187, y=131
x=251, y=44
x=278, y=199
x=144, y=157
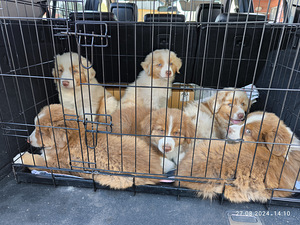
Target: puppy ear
x=282, y=136
x=215, y=102
x=146, y=66
x=188, y=129
x=54, y=72
x=60, y=137
x=87, y=74
x=178, y=63
x=145, y=125
x=91, y=72
x=57, y=59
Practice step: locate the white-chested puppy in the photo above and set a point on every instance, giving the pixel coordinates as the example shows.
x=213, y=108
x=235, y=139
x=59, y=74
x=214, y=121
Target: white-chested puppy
x=159, y=70
x=64, y=140
x=171, y=133
x=268, y=158
x=217, y=112
x=78, y=88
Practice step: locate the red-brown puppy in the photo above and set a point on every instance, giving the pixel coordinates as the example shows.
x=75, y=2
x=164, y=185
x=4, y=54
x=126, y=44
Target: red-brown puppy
x=65, y=146
x=246, y=170
x=217, y=112
x=171, y=132
x=170, y=129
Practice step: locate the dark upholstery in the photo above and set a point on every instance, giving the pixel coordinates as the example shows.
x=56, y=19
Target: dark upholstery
x=297, y=14
x=125, y=11
x=164, y=18
x=93, y=15
x=208, y=12
x=238, y=17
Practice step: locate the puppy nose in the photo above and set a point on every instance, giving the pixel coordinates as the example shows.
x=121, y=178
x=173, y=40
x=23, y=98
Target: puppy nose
x=65, y=83
x=167, y=148
x=28, y=140
x=168, y=73
x=241, y=116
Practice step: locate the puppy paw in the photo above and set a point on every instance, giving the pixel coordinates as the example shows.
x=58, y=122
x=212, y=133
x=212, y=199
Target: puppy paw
x=167, y=164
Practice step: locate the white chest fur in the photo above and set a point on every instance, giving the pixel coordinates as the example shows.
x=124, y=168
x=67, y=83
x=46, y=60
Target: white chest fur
x=84, y=98
x=154, y=90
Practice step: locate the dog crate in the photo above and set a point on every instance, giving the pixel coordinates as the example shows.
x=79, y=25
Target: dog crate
x=221, y=44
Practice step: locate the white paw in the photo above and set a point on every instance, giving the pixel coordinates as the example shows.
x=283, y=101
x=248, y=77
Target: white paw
x=17, y=159
x=297, y=185
x=167, y=164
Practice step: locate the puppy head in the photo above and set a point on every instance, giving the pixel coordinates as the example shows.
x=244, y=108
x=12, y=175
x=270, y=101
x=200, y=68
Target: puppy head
x=235, y=101
x=66, y=67
x=169, y=129
x=162, y=63
x=46, y=136
x=268, y=133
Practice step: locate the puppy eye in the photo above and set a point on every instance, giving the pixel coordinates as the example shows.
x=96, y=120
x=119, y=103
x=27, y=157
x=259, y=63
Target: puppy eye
x=248, y=131
x=161, y=131
x=229, y=104
x=60, y=70
x=243, y=104
x=171, y=64
x=159, y=65
x=176, y=133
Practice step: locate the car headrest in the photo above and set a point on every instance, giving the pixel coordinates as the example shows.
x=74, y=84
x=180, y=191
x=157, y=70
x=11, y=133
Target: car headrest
x=208, y=12
x=92, y=15
x=125, y=11
x=164, y=18
x=240, y=17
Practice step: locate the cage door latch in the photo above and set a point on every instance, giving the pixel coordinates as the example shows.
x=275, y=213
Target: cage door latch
x=92, y=128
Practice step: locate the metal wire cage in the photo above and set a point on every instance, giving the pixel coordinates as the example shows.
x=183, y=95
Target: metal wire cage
x=221, y=44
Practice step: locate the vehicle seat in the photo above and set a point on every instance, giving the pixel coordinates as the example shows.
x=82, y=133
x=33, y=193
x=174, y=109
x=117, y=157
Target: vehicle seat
x=297, y=14
x=208, y=12
x=92, y=15
x=164, y=18
x=238, y=17
x=125, y=11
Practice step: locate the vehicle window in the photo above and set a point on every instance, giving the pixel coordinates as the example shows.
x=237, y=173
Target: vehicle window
x=185, y=7
x=62, y=9
x=145, y=7
x=103, y=7
x=272, y=8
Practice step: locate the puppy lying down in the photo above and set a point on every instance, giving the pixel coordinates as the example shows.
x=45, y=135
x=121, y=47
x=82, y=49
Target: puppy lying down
x=245, y=172
x=169, y=131
x=213, y=115
x=65, y=147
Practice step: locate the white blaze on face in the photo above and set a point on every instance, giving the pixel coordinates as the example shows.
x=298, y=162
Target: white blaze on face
x=166, y=66
x=32, y=137
x=168, y=141
x=33, y=140
x=235, y=130
x=66, y=77
x=235, y=118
